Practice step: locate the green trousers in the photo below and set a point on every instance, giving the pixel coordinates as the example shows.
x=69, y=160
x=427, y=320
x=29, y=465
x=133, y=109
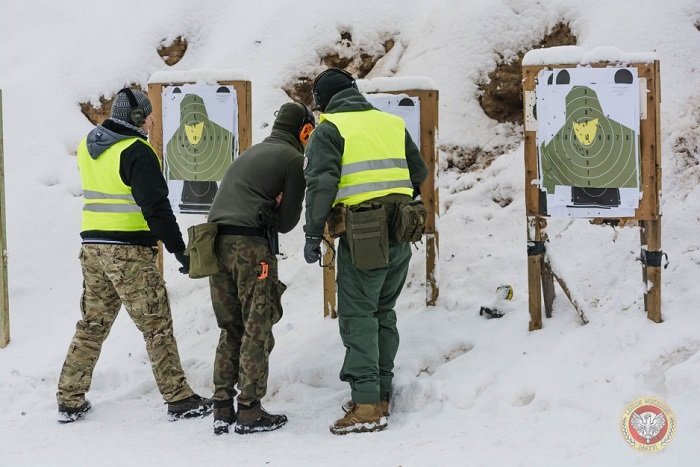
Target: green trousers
x=367, y=321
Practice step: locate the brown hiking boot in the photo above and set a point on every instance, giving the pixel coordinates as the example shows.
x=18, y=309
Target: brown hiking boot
x=383, y=405
x=252, y=418
x=361, y=418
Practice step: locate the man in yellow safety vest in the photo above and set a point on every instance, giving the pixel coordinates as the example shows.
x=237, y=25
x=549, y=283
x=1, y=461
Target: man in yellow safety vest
x=125, y=212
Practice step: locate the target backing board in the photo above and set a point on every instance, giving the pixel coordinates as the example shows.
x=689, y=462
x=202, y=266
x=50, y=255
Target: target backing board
x=588, y=141
x=402, y=106
x=200, y=140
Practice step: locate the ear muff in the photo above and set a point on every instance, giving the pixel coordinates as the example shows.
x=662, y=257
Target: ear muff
x=307, y=124
x=136, y=114
x=305, y=132
x=318, y=103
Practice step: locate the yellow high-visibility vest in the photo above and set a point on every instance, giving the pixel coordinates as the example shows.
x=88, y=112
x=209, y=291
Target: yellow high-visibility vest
x=108, y=203
x=374, y=157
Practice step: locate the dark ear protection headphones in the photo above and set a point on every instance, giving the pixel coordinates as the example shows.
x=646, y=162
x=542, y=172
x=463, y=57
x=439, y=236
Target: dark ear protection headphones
x=136, y=114
x=317, y=97
x=307, y=124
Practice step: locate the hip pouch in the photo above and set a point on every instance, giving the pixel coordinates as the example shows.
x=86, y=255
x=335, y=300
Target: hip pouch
x=408, y=224
x=367, y=232
x=200, y=247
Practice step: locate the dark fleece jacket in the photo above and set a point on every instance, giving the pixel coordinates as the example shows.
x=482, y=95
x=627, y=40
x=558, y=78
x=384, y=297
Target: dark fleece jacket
x=138, y=168
x=256, y=177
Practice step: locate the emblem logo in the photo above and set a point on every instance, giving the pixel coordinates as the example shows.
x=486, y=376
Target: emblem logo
x=648, y=424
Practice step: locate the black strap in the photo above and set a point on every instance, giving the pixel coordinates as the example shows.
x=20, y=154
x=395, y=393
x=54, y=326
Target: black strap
x=225, y=229
x=653, y=258
x=535, y=248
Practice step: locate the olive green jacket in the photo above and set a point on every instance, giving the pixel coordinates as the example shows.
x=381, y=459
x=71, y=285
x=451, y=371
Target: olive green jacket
x=323, y=161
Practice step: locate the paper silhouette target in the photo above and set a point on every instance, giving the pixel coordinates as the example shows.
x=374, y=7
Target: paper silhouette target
x=587, y=137
x=199, y=127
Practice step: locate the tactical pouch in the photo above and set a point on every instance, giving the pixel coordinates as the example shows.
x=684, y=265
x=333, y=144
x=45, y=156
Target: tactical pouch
x=367, y=232
x=408, y=224
x=336, y=221
x=200, y=247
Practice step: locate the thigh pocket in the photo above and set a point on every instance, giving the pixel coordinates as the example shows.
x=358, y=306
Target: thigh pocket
x=368, y=236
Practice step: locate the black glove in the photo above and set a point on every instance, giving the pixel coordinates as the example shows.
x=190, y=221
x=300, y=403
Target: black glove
x=416, y=191
x=312, y=249
x=184, y=260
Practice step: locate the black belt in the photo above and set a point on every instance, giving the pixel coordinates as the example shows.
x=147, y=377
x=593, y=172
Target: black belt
x=225, y=229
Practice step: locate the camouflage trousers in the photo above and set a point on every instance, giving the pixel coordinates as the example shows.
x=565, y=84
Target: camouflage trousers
x=114, y=275
x=246, y=296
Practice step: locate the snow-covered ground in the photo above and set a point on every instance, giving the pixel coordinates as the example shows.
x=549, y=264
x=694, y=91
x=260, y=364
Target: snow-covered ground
x=468, y=391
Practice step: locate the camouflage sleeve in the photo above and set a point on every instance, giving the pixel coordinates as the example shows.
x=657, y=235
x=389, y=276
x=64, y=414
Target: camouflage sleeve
x=322, y=174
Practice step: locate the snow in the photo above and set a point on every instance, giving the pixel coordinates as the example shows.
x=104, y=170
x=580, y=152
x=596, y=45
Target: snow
x=468, y=391
x=198, y=76
x=571, y=54
x=399, y=83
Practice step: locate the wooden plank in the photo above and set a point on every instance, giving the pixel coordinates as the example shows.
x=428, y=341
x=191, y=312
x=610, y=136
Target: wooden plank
x=570, y=296
x=548, y=292
x=329, y=285
x=534, y=276
x=643, y=243
x=532, y=194
x=245, y=112
x=155, y=137
x=649, y=146
x=652, y=282
x=429, y=190
x=5, y=298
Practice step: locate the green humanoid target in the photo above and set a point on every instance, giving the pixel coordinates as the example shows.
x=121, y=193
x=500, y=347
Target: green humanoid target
x=199, y=152
x=591, y=150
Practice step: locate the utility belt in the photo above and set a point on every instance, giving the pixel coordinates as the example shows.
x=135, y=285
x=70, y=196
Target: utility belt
x=269, y=233
x=225, y=229
x=369, y=227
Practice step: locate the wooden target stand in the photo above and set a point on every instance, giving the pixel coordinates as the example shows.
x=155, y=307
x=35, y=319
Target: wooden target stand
x=245, y=124
x=541, y=276
x=4, y=294
x=429, y=193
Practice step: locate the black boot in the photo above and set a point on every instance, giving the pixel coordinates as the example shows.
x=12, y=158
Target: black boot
x=224, y=415
x=71, y=414
x=189, y=407
x=252, y=418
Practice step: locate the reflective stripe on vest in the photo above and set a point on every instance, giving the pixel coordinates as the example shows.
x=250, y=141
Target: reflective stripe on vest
x=374, y=157
x=108, y=202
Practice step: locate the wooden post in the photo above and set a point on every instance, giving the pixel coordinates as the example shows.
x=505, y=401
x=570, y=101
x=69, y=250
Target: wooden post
x=429, y=189
x=650, y=223
x=651, y=241
x=547, y=279
x=155, y=137
x=534, y=275
x=4, y=299
x=245, y=118
x=329, y=286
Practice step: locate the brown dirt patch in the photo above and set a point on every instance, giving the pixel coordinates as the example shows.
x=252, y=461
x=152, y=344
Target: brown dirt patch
x=501, y=97
x=357, y=59
x=174, y=51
